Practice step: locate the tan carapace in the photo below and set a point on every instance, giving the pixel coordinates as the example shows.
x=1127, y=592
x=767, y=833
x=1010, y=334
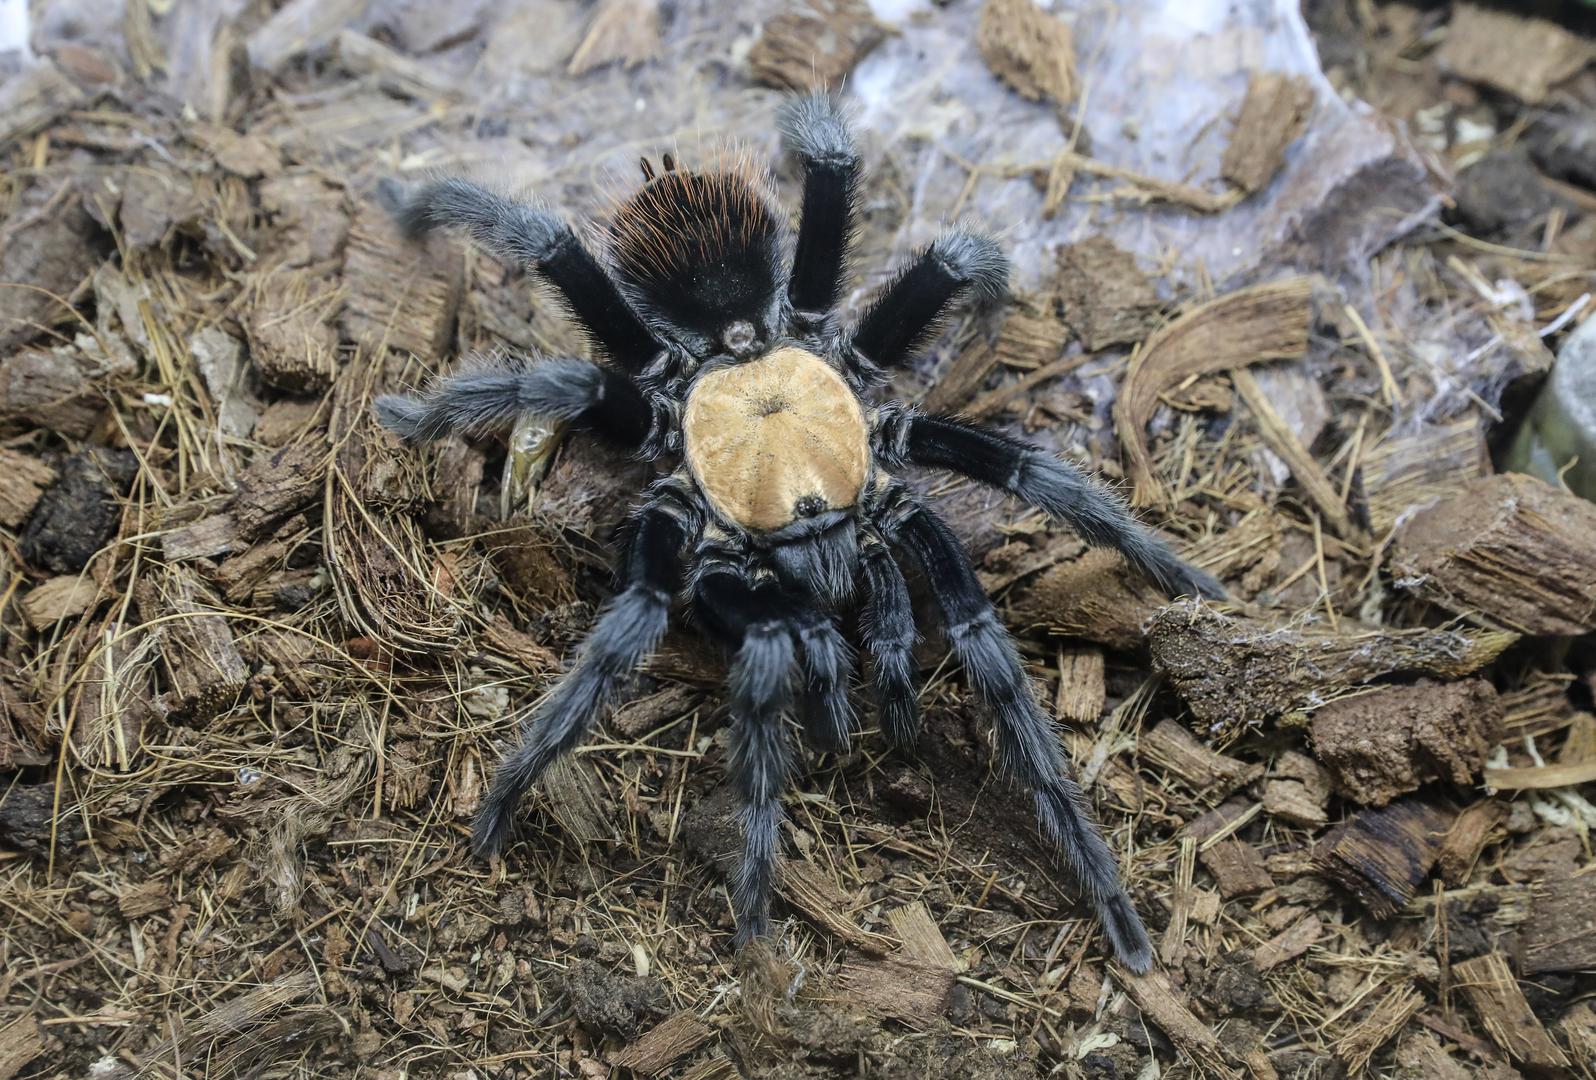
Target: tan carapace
x=776, y=439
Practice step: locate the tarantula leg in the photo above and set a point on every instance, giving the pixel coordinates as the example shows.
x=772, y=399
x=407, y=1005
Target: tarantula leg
x=629, y=630
x=492, y=396
x=902, y=318
x=814, y=128
x=1028, y=747
x=1053, y=485
x=756, y=620
x=538, y=239
x=887, y=624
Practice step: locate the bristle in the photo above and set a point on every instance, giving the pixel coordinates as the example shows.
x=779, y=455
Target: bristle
x=681, y=218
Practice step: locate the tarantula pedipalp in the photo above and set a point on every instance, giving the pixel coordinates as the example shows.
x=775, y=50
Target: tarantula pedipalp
x=780, y=508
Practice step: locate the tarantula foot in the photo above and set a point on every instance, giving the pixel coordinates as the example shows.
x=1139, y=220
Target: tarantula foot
x=1126, y=934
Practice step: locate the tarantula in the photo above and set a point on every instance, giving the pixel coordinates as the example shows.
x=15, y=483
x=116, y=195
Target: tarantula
x=780, y=508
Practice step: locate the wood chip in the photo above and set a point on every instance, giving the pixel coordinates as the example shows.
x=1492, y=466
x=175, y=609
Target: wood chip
x=292, y=342
x=1107, y=299
x=1381, y=856
x=210, y=536
x=277, y=485
x=1488, y=984
x=1168, y=1011
x=47, y=387
x=1401, y=472
x=1211, y=776
x=1541, y=777
x=1519, y=54
x=1396, y=739
x=1237, y=867
x=809, y=889
x=204, y=672
x=624, y=31
x=393, y=70
x=1263, y=322
x=922, y=938
x=1236, y=672
x=1289, y=944
x=1379, y=1026
x=21, y=1041
x=898, y=987
x=1274, y=112
x=1031, y=50
x=64, y=597
x=1031, y=336
x=1508, y=551
x=1475, y=827
x=399, y=295
x=1082, y=692
x=674, y=1037
x=23, y=479
x=1279, y=437
x=816, y=46
x=1560, y=934
x=143, y=899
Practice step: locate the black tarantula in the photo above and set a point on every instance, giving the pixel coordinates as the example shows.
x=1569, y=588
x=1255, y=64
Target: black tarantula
x=781, y=505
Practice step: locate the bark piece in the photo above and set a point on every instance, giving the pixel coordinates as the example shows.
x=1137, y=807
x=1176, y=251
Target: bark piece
x=1560, y=933
x=627, y=31
x=1107, y=299
x=145, y=898
x=1391, y=742
x=309, y=219
x=23, y=479
x=1262, y=322
x=1381, y=855
x=291, y=341
x=204, y=672
x=1379, y=1026
x=21, y=1041
x=898, y=987
x=1495, y=996
x=1507, y=551
x=816, y=47
x=1278, y=436
x=1233, y=671
x=1299, y=791
x=1405, y=471
x=276, y=485
x=1237, y=867
x=400, y=295
x=1167, y=1009
x=1521, y=55
x=1082, y=691
x=210, y=536
x=1475, y=827
x=64, y=597
x=1212, y=776
x=1088, y=594
x=79, y=512
x=1031, y=336
x=49, y=243
x=677, y=1035
x=47, y=387
x=1274, y=112
x=393, y=70
x=1289, y=944
x=1029, y=49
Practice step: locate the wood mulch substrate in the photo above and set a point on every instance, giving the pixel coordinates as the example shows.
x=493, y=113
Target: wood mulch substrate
x=259, y=659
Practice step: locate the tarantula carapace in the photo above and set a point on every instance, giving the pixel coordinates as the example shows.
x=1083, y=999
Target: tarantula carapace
x=778, y=507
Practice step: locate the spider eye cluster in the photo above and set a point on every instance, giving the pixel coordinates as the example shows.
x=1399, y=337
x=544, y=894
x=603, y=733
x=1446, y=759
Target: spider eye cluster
x=702, y=249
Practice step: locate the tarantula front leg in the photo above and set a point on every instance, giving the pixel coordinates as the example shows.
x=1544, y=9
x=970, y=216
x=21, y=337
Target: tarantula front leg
x=534, y=238
x=491, y=396
x=900, y=320
x=1051, y=484
x=1028, y=746
x=814, y=128
x=627, y=631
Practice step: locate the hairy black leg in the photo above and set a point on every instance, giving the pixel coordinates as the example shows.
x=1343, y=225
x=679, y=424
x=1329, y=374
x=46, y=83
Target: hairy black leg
x=535, y=238
x=761, y=685
x=828, y=662
x=492, y=396
x=898, y=322
x=814, y=128
x=1053, y=485
x=887, y=624
x=629, y=629
x=1028, y=746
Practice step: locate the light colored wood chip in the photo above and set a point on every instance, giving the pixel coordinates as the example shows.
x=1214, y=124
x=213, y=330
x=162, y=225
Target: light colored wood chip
x=1488, y=984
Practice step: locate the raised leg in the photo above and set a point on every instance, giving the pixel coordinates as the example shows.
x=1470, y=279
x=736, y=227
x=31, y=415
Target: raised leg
x=1045, y=481
x=900, y=320
x=488, y=397
x=814, y=129
x=534, y=238
x=887, y=624
x=1027, y=744
x=626, y=633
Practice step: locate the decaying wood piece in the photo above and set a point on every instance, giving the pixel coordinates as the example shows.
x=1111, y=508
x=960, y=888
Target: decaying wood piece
x=393, y=70
x=1089, y=594
x=1274, y=112
x=620, y=30
x=1237, y=867
x=292, y=343
x=1560, y=934
x=1522, y=55
x=676, y=1036
x=1381, y=855
x=815, y=47
x=1107, y=299
x=48, y=241
x=1081, y=689
x=23, y=479
x=1404, y=471
x=1298, y=790
x=1390, y=1015
x=1166, y=1009
x=1508, y=551
x=1475, y=827
x=1279, y=437
x=1030, y=337
x=911, y=985
x=204, y=672
x=399, y=295
x=1289, y=944
x=1495, y=996
x=64, y=597
x=1030, y=49
x=1392, y=741
x=1263, y=322
x=47, y=387
x=1235, y=672
x=21, y=1041
x=298, y=27
x=1211, y=776
x=276, y=485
